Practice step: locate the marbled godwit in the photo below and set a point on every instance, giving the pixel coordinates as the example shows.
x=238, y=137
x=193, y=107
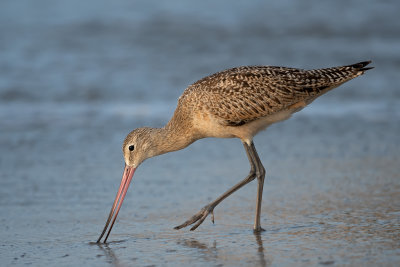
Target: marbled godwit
x=239, y=103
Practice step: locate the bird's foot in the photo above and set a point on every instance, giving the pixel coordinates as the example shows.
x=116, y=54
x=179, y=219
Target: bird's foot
x=198, y=217
x=258, y=230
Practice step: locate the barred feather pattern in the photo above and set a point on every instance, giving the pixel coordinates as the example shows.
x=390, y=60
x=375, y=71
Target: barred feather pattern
x=240, y=95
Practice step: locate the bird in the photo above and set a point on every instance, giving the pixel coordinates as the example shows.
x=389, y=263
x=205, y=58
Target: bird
x=234, y=103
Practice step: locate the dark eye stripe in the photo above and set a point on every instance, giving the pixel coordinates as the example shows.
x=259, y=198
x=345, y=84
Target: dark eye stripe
x=131, y=147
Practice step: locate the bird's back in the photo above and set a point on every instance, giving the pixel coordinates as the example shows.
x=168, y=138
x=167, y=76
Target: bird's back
x=241, y=95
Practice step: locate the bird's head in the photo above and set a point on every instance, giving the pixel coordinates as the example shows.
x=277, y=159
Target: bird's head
x=138, y=146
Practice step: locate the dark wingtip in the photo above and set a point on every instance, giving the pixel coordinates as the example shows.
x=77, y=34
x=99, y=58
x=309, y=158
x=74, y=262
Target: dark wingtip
x=369, y=68
x=361, y=65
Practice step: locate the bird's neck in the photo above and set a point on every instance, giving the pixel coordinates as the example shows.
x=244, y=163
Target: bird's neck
x=168, y=139
x=177, y=134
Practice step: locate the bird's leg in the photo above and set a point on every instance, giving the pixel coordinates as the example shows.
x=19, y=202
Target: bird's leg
x=260, y=173
x=203, y=213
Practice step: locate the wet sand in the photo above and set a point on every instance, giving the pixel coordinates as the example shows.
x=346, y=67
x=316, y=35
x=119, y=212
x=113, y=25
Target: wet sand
x=74, y=82
x=331, y=196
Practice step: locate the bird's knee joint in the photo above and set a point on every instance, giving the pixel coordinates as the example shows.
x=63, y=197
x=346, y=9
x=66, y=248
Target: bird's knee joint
x=252, y=174
x=260, y=173
x=252, y=171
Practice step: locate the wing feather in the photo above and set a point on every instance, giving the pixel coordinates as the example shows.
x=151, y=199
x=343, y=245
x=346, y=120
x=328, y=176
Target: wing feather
x=244, y=94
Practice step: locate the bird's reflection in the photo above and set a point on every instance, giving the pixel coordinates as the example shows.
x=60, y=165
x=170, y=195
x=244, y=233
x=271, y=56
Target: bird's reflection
x=260, y=252
x=210, y=253
x=206, y=252
x=109, y=253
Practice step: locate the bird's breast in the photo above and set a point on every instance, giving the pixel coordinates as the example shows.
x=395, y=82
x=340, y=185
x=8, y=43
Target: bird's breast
x=210, y=126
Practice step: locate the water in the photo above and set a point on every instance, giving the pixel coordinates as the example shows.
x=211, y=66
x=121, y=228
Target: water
x=77, y=76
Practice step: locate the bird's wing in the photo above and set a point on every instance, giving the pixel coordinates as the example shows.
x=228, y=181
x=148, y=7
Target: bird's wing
x=244, y=94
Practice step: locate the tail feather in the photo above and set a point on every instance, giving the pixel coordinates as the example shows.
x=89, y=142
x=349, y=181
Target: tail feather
x=361, y=66
x=330, y=78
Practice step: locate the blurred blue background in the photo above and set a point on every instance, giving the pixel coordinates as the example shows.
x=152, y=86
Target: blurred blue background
x=145, y=51
x=77, y=76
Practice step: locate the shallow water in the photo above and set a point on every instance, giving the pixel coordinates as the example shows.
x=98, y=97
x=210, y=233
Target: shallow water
x=77, y=77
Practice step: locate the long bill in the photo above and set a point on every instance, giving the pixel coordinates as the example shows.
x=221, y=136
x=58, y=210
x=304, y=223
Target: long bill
x=123, y=188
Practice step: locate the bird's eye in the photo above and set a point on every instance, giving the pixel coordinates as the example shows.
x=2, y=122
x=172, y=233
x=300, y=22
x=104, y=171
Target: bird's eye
x=131, y=147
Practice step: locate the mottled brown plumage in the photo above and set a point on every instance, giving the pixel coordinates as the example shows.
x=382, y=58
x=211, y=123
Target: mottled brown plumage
x=237, y=102
x=244, y=94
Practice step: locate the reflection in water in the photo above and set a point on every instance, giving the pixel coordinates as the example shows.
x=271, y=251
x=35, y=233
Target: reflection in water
x=109, y=253
x=211, y=253
x=207, y=253
x=262, y=260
